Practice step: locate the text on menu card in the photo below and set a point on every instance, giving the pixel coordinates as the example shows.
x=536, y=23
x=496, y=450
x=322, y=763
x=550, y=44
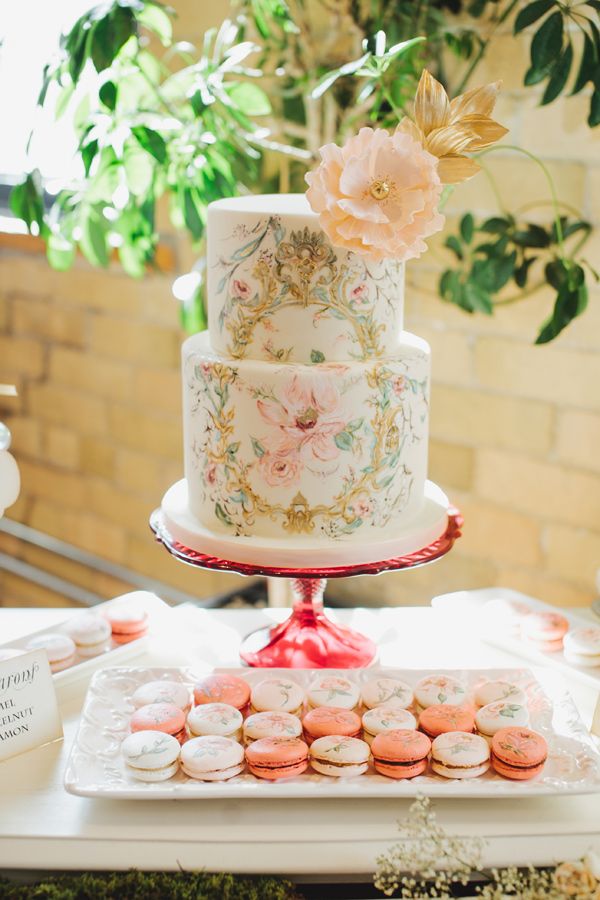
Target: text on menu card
x=29, y=715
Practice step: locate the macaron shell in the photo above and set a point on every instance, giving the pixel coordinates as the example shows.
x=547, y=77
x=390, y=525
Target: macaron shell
x=386, y=692
x=400, y=754
x=60, y=649
x=332, y=690
x=162, y=692
x=383, y=719
x=128, y=637
x=513, y=772
x=437, y=689
x=222, y=689
x=518, y=753
x=212, y=758
x=277, y=695
x=459, y=754
x=443, y=717
x=163, y=717
x=215, y=718
x=406, y=770
x=126, y=619
x=501, y=714
x=491, y=691
x=151, y=756
x=271, y=724
x=221, y=775
x=582, y=646
x=446, y=772
x=326, y=720
x=275, y=758
x=88, y=629
x=546, y=629
x=339, y=756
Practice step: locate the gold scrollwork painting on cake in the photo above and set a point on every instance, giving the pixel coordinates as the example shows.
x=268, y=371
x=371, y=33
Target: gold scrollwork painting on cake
x=306, y=428
x=303, y=270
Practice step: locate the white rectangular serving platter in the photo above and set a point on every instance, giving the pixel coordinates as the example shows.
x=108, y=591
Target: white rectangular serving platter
x=470, y=606
x=95, y=767
x=115, y=654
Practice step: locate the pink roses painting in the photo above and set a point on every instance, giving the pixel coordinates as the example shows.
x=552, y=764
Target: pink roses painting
x=305, y=423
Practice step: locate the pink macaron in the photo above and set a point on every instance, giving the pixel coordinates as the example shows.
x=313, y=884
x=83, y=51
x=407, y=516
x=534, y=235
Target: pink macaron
x=545, y=630
x=275, y=758
x=326, y=720
x=227, y=689
x=60, y=649
x=518, y=753
x=128, y=621
x=165, y=717
x=401, y=753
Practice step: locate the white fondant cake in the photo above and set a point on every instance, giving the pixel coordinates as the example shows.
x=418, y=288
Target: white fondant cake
x=305, y=403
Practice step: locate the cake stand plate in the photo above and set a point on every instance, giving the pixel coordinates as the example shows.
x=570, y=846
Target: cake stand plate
x=308, y=639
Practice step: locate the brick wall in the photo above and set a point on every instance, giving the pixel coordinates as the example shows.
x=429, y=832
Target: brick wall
x=515, y=428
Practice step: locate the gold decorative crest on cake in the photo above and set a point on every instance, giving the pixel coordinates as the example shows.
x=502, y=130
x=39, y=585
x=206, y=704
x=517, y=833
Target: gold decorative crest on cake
x=303, y=262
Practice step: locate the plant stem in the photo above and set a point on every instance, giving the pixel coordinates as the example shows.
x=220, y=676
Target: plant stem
x=483, y=46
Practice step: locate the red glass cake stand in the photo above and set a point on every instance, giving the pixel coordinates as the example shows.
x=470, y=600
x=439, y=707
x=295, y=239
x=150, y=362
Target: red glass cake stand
x=308, y=638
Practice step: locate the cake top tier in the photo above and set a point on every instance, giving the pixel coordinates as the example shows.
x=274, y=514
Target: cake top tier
x=278, y=290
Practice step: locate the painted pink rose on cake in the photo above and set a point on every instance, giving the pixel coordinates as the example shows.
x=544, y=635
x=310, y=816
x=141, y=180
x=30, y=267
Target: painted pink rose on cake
x=280, y=469
x=377, y=195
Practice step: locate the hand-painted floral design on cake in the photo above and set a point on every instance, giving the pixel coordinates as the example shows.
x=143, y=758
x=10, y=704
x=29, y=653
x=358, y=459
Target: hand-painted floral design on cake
x=306, y=424
x=299, y=270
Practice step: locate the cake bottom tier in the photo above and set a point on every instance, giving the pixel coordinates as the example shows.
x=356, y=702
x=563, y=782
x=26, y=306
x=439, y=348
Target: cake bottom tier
x=304, y=551
x=336, y=452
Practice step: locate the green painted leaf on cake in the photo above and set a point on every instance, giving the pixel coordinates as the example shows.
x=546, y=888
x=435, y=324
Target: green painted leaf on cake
x=348, y=529
x=316, y=356
x=343, y=440
x=258, y=448
x=354, y=425
x=233, y=449
x=239, y=496
x=222, y=515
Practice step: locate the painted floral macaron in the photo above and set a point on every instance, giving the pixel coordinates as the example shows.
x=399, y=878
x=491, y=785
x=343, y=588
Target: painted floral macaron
x=339, y=756
x=271, y=724
x=518, y=753
x=490, y=691
x=212, y=758
x=458, y=754
x=401, y=753
x=386, y=692
x=386, y=718
x=333, y=690
x=163, y=717
x=215, y=718
x=128, y=621
x=436, y=689
x=443, y=717
x=325, y=720
x=151, y=756
x=546, y=630
x=222, y=689
x=275, y=758
x=162, y=692
x=60, y=649
x=277, y=695
x=582, y=646
x=90, y=632
x=495, y=716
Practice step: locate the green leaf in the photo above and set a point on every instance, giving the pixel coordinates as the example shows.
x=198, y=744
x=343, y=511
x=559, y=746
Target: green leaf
x=132, y=260
x=570, y=303
x=192, y=216
x=534, y=76
x=467, y=226
x=547, y=42
x=588, y=65
x=93, y=238
x=108, y=94
x=522, y=271
x=151, y=141
x=354, y=425
x=60, y=252
x=330, y=78
x=109, y=34
x=532, y=236
x=63, y=100
x=249, y=98
x=594, y=116
x=558, y=75
x=478, y=298
x=27, y=201
x=258, y=448
x=450, y=286
x=316, y=356
x=156, y=19
x=343, y=440
x=222, y=515
x=454, y=244
x=556, y=273
x=495, y=225
x=531, y=13
x=139, y=169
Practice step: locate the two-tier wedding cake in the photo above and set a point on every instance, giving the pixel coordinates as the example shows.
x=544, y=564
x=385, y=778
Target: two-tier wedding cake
x=306, y=404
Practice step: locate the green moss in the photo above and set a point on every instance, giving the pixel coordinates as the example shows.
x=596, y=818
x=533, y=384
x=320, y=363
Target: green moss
x=135, y=885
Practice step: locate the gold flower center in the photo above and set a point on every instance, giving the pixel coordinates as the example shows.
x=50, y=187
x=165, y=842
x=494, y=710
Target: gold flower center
x=380, y=189
x=307, y=419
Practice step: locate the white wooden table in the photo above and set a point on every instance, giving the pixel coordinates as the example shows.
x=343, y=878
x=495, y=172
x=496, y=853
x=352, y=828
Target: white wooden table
x=43, y=827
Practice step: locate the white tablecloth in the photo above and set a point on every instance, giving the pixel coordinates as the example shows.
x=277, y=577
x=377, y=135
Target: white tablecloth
x=41, y=826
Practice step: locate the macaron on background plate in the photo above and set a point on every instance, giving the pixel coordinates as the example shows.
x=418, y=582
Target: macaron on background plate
x=60, y=649
x=501, y=714
x=443, y=717
x=490, y=691
x=276, y=758
x=90, y=632
x=128, y=621
x=386, y=718
x=582, y=646
x=401, y=753
x=518, y=753
x=386, y=692
x=151, y=756
x=271, y=724
x=339, y=756
x=212, y=758
x=325, y=720
x=435, y=689
x=163, y=717
x=10, y=653
x=215, y=718
x=460, y=755
x=506, y=616
x=277, y=695
x=545, y=630
x=333, y=690
x=162, y=692
x=222, y=689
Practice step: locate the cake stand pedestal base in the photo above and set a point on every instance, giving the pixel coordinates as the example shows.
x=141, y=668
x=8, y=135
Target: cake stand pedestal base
x=308, y=639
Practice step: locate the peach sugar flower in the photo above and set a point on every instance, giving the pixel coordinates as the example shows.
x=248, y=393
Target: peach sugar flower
x=377, y=195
